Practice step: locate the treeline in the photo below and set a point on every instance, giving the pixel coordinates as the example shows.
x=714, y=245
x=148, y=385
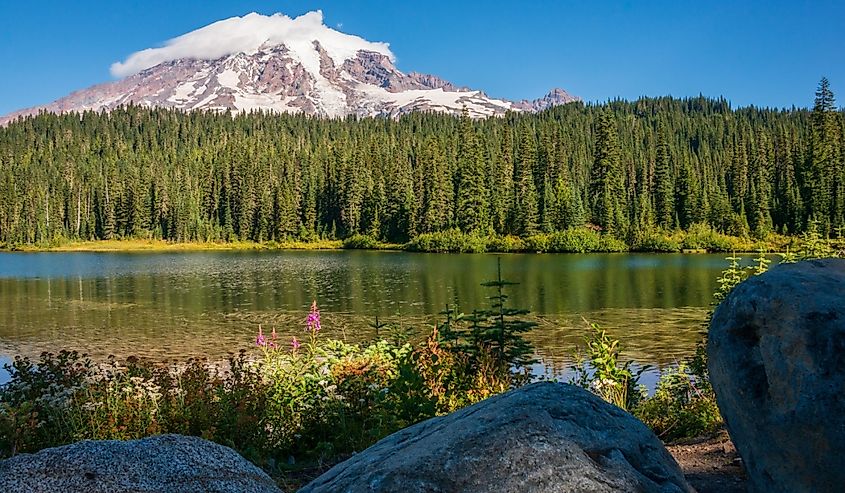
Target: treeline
x=624, y=168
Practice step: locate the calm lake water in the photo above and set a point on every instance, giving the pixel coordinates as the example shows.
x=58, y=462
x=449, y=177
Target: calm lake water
x=174, y=305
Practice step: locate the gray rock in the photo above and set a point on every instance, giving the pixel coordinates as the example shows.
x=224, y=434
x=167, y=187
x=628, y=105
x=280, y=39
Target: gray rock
x=166, y=463
x=545, y=437
x=776, y=347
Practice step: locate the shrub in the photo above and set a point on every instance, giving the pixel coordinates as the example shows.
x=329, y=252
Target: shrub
x=702, y=236
x=537, y=243
x=658, y=242
x=601, y=372
x=609, y=244
x=679, y=408
x=574, y=240
x=449, y=241
x=506, y=244
x=361, y=242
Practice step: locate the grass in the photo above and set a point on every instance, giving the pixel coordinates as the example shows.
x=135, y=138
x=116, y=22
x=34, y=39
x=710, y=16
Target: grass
x=149, y=245
x=699, y=239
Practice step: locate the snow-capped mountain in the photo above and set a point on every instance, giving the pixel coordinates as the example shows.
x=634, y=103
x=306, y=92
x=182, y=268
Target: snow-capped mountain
x=278, y=64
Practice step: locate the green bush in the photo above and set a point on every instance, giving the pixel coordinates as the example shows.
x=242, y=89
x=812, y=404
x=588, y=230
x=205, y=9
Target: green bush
x=658, y=242
x=600, y=371
x=574, y=240
x=701, y=236
x=538, y=243
x=505, y=244
x=679, y=407
x=361, y=242
x=449, y=241
x=609, y=244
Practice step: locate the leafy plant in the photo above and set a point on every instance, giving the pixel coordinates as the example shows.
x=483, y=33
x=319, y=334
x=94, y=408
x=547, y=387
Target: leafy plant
x=601, y=372
x=679, y=408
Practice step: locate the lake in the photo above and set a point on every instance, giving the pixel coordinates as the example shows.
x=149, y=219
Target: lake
x=175, y=305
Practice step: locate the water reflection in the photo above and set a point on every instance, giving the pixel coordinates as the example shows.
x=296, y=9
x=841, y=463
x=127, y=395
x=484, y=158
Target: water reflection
x=172, y=305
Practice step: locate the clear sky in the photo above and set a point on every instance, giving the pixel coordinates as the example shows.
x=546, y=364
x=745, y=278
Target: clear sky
x=766, y=53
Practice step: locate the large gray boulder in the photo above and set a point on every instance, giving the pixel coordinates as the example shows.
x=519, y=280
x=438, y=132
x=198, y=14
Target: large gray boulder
x=776, y=349
x=165, y=464
x=545, y=437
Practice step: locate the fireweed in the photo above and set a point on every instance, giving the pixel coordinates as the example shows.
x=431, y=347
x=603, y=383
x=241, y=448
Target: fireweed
x=326, y=396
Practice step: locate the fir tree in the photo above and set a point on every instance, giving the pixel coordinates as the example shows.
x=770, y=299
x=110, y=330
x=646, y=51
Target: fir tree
x=471, y=207
x=664, y=187
x=607, y=188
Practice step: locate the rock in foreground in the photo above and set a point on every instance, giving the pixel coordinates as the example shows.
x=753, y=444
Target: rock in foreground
x=545, y=437
x=166, y=463
x=775, y=355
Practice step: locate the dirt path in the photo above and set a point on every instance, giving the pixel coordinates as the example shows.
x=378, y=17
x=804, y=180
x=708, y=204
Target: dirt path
x=711, y=465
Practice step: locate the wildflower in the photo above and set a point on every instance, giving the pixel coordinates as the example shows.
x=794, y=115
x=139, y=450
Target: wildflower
x=313, y=320
x=260, y=341
x=295, y=343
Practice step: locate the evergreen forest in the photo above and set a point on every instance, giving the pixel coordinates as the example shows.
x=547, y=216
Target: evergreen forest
x=622, y=168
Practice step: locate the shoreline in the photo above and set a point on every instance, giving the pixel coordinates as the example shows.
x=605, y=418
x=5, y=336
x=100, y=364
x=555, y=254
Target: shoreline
x=163, y=246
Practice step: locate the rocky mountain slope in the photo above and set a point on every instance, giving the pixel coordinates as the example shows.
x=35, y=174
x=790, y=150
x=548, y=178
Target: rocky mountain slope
x=278, y=64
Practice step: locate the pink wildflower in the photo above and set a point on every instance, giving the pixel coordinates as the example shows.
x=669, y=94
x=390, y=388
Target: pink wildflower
x=260, y=341
x=295, y=343
x=313, y=321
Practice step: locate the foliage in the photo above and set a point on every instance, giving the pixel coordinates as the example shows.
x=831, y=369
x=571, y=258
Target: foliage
x=308, y=400
x=684, y=404
x=658, y=241
x=361, y=242
x=496, y=334
x=674, y=164
x=450, y=241
x=679, y=408
x=813, y=246
x=601, y=372
x=506, y=244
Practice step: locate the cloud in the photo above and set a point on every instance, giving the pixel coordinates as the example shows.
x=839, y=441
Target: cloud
x=246, y=35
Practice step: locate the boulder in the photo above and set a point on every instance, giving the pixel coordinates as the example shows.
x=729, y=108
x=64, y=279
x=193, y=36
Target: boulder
x=775, y=353
x=544, y=437
x=165, y=463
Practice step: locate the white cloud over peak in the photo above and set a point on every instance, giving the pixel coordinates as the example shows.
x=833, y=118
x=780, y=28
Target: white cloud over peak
x=246, y=35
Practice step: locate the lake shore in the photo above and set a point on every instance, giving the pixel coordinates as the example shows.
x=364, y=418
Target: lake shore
x=155, y=245
x=781, y=244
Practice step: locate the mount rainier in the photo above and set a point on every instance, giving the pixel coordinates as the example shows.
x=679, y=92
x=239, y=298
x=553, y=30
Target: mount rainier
x=280, y=64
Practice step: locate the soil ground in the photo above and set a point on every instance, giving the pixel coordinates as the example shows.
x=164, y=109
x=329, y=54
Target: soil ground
x=711, y=464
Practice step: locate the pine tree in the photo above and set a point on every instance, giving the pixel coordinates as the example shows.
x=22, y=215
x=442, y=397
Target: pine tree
x=502, y=184
x=738, y=184
x=471, y=207
x=525, y=193
x=823, y=156
x=437, y=193
x=607, y=188
x=664, y=187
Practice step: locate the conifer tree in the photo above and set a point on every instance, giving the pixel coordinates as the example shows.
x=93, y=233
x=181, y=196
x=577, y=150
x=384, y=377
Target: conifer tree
x=471, y=207
x=823, y=156
x=664, y=187
x=607, y=188
x=525, y=193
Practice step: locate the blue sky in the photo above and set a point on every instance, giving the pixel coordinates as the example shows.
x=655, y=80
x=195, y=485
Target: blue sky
x=757, y=52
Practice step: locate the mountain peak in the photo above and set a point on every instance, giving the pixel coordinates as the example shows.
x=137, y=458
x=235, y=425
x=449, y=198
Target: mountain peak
x=280, y=64
x=249, y=34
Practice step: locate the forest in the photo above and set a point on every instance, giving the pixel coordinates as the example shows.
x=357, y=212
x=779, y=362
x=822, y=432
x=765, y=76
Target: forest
x=622, y=168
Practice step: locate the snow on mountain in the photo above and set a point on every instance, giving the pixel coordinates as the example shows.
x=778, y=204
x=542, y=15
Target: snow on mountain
x=280, y=64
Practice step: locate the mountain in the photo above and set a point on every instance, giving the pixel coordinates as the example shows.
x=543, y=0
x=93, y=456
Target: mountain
x=281, y=64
